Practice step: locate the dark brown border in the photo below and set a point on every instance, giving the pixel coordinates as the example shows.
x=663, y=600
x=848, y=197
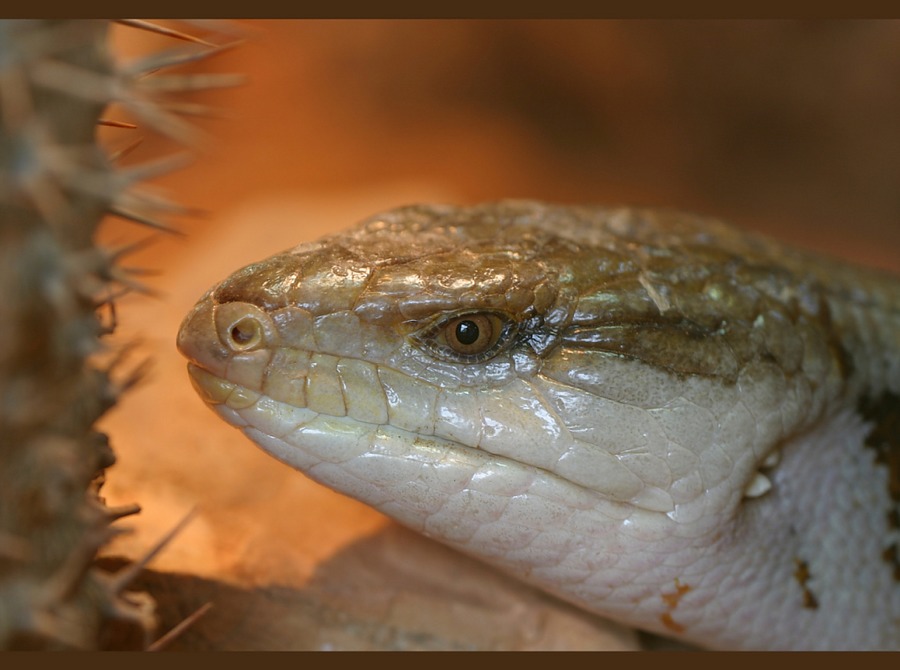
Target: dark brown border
x=562, y=9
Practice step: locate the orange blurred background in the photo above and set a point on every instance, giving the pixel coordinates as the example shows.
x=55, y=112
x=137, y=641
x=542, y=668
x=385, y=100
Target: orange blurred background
x=788, y=127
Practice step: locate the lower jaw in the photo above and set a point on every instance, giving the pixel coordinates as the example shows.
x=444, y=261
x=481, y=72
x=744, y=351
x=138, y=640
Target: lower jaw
x=212, y=389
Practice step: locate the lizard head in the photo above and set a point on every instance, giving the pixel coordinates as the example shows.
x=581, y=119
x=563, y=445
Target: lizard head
x=580, y=396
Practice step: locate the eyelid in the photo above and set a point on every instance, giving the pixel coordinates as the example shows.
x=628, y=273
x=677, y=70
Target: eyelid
x=430, y=337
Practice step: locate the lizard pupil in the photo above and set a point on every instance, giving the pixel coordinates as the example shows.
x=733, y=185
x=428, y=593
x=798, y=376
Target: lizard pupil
x=467, y=332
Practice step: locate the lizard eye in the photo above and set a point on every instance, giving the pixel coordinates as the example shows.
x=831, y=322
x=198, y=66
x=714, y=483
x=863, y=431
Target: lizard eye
x=470, y=337
x=472, y=334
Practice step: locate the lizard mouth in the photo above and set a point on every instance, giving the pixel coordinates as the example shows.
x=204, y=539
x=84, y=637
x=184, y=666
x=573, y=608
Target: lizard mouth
x=212, y=389
x=405, y=474
x=303, y=428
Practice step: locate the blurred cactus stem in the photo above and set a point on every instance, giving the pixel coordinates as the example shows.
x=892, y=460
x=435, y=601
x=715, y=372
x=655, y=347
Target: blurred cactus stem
x=57, y=288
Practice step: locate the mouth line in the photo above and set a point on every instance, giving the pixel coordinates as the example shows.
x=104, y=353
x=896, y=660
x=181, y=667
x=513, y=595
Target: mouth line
x=211, y=388
x=216, y=391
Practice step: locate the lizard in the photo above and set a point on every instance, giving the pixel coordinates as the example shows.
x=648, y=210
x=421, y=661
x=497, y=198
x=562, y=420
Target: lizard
x=667, y=421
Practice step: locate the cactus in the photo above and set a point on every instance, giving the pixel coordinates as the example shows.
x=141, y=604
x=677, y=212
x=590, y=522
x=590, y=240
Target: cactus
x=58, y=292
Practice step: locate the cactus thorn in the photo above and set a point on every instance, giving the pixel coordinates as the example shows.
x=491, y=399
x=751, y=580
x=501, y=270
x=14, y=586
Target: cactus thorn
x=125, y=576
x=149, y=26
x=167, y=123
x=114, y=255
x=116, y=124
x=142, y=219
x=120, y=512
x=155, y=168
x=119, y=154
x=178, y=630
x=176, y=83
x=155, y=62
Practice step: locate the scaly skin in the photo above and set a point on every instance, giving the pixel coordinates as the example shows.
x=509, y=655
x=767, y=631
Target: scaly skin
x=678, y=426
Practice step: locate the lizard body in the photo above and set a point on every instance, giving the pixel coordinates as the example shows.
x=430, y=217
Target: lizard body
x=656, y=417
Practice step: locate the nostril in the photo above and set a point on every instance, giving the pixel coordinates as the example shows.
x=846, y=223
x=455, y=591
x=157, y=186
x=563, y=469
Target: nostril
x=242, y=327
x=245, y=334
